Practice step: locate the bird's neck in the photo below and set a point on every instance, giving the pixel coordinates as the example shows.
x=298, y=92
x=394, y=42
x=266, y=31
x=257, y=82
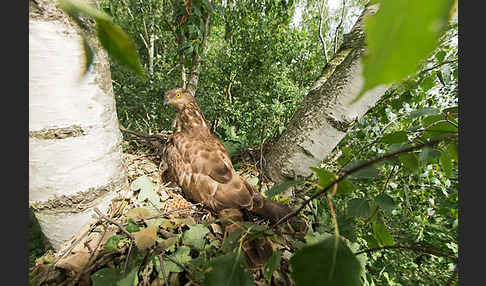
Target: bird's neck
x=190, y=119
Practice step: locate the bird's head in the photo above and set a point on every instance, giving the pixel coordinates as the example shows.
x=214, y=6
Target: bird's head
x=178, y=97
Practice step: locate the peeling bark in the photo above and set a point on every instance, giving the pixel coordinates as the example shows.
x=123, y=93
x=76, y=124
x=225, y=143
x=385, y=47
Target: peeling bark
x=326, y=113
x=74, y=140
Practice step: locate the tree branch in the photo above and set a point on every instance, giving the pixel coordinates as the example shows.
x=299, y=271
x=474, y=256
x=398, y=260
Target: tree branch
x=437, y=66
x=355, y=169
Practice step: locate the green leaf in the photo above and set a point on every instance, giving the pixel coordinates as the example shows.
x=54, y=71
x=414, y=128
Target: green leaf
x=453, y=111
x=115, y=41
x=229, y=269
x=395, y=137
x=132, y=226
x=277, y=189
x=326, y=263
x=364, y=173
x=233, y=148
x=194, y=236
x=410, y=161
x=345, y=187
x=440, y=56
x=428, y=82
x=272, y=265
x=359, y=208
x=425, y=154
x=112, y=243
x=440, y=129
x=452, y=149
x=316, y=237
x=131, y=278
x=423, y=112
x=445, y=163
x=381, y=234
x=106, y=277
x=385, y=202
x=181, y=255
x=438, y=126
x=399, y=36
x=325, y=177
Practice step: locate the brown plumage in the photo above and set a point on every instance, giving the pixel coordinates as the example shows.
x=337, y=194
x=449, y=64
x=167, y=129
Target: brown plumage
x=198, y=163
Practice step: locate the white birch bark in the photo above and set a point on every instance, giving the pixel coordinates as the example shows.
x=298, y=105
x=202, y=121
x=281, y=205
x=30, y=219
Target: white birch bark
x=74, y=141
x=327, y=112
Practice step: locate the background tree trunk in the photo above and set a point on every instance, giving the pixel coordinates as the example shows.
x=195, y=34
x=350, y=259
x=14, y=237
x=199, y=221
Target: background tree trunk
x=74, y=140
x=326, y=113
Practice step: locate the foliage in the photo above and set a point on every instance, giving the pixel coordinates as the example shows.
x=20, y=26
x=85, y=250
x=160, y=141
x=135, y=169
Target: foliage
x=413, y=200
x=257, y=68
x=391, y=56
x=113, y=39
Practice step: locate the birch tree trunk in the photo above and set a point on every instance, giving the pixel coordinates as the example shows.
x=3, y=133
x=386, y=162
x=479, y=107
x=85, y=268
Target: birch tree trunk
x=326, y=113
x=74, y=140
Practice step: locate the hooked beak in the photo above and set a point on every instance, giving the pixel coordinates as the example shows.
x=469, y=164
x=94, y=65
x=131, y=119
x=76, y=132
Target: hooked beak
x=166, y=102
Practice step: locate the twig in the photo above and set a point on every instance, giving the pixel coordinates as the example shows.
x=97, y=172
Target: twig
x=355, y=169
x=46, y=272
x=101, y=261
x=162, y=267
x=414, y=248
x=122, y=228
x=383, y=191
x=437, y=66
x=333, y=213
x=145, y=275
x=82, y=271
x=166, y=213
x=388, y=179
x=144, y=136
x=176, y=262
x=128, y=255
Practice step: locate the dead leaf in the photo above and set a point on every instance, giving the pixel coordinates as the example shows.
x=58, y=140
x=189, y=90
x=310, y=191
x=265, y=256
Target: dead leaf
x=74, y=262
x=185, y=221
x=166, y=243
x=167, y=224
x=216, y=228
x=138, y=213
x=146, y=238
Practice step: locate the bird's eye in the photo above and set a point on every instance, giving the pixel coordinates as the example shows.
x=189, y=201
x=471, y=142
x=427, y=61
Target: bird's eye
x=178, y=94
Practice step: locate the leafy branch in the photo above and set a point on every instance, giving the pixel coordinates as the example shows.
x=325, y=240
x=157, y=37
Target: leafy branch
x=355, y=169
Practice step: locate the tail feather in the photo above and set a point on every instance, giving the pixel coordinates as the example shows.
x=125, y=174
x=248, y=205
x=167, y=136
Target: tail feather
x=267, y=208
